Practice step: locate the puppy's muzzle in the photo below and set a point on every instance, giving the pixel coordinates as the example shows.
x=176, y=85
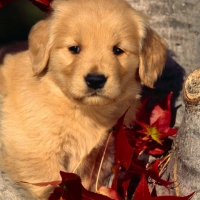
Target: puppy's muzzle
x=95, y=81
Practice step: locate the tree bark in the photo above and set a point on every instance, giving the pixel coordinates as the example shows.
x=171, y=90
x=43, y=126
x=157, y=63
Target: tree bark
x=184, y=166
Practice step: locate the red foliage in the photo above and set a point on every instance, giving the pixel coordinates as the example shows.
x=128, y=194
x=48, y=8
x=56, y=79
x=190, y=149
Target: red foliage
x=153, y=139
x=159, y=121
x=71, y=188
x=142, y=193
x=152, y=171
x=156, y=128
x=123, y=150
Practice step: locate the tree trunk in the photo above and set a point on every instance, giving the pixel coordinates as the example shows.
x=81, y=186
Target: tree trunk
x=184, y=166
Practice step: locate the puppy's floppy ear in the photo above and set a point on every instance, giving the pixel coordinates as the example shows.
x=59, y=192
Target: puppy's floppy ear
x=39, y=47
x=152, y=57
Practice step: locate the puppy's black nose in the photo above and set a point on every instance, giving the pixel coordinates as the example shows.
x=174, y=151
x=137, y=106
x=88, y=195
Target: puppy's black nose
x=95, y=81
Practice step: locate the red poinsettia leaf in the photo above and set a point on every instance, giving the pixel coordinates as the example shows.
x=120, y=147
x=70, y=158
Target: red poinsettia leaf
x=136, y=169
x=142, y=190
x=163, y=121
x=125, y=185
x=162, y=125
x=115, y=170
x=156, y=152
x=156, y=113
x=143, y=114
x=142, y=193
x=109, y=192
x=133, y=136
x=70, y=187
x=171, y=131
x=158, y=130
x=155, y=149
x=57, y=193
x=163, y=109
x=152, y=131
x=45, y=2
x=153, y=172
x=123, y=150
x=166, y=103
x=87, y=195
x=69, y=178
x=150, y=116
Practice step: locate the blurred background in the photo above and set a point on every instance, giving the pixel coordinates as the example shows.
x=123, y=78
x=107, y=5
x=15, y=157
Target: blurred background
x=16, y=19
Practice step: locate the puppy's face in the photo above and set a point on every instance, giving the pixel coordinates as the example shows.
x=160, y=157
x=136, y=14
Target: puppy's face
x=95, y=50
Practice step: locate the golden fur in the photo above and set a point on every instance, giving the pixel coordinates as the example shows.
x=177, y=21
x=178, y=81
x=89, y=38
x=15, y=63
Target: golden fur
x=50, y=118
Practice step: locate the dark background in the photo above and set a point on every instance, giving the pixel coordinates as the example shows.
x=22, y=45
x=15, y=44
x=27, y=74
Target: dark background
x=16, y=19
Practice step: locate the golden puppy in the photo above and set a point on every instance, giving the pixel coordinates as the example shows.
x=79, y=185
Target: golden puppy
x=83, y=69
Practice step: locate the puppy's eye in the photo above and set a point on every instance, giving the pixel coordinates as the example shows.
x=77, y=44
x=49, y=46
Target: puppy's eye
x=117, y=50
x=75, y=49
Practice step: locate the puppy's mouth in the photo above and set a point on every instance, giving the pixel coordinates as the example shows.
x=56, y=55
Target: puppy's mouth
x=94, y=98
x=94, y=94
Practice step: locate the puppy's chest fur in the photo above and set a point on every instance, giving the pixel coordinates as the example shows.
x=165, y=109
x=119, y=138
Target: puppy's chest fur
x=43, y=124
x=60, y=128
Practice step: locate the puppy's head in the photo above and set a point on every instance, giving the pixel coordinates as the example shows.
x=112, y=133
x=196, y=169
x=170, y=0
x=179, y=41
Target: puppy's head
x=94, y=50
